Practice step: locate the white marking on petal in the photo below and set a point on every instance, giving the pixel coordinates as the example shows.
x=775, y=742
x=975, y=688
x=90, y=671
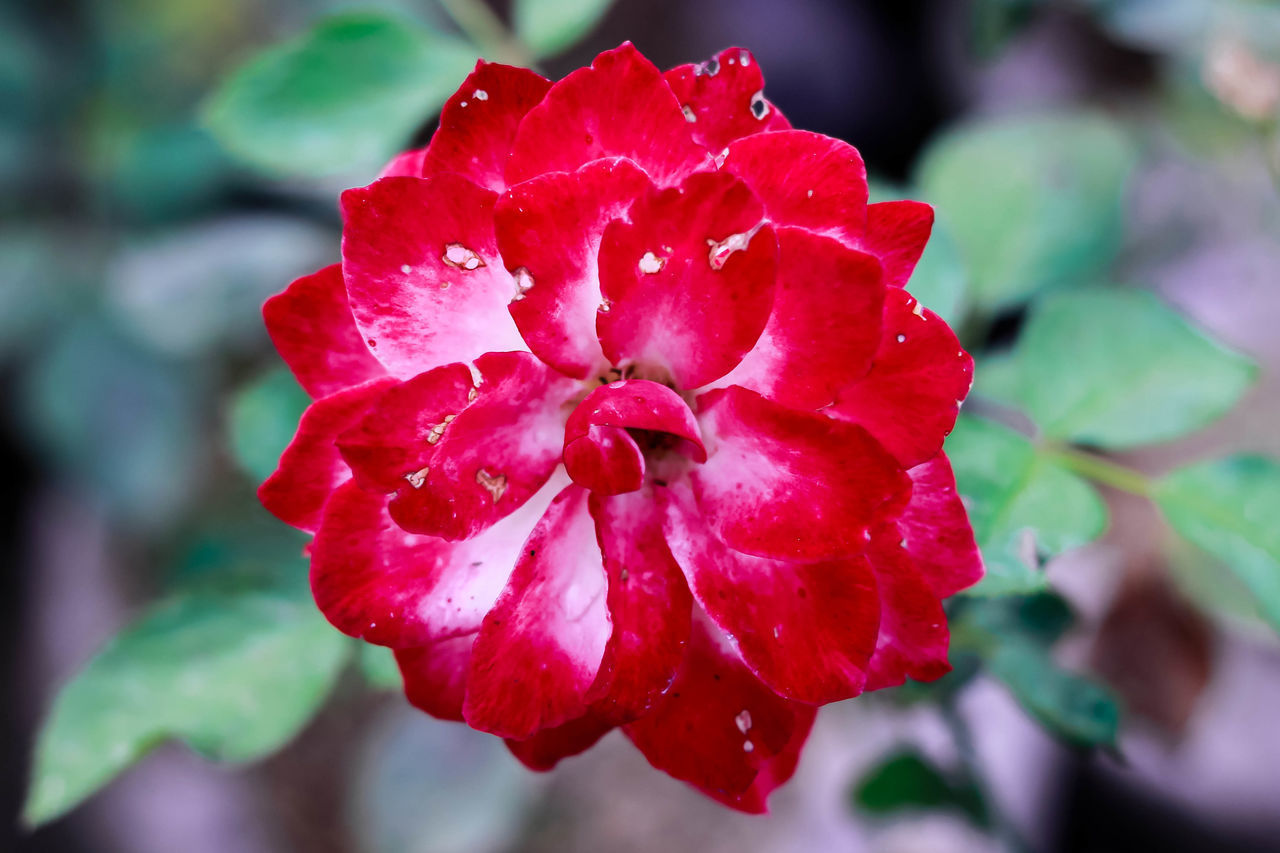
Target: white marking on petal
x=460, y=257
x=651, y=263
x=743, y=721
x=720, y=251
x=495, y=484
x=524, y=281
x=480, y=95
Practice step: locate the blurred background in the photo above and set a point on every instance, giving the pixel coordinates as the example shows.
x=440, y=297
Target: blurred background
x=147, y=211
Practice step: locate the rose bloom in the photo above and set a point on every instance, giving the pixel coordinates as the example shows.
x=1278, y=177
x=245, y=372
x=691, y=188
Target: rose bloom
x=623, y=418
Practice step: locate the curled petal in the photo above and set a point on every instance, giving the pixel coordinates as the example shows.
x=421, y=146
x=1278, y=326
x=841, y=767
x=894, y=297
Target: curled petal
x=910, y=398
x=376, y=582
x=618, y=107
x=805, y=180
x=825, y=325
x=913, y=626
x=311, y=325
x=720, y=729
x=462, y=450
x=897, y=232
x=723, y=98
x=790, y=485
x=640, y=405
x=649, y=606
x=605, y=460
x=549, y=230
x=687, y=280
x=435, y=676
x=539, y=648
x=311, y=468
x=421, y=263
x=936, y=528
x=549, y=747
x=805, y=629
x=406, y=164
x=478, y=124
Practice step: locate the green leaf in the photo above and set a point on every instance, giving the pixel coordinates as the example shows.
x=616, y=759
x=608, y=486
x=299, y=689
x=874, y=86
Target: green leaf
x=378, y=666
x=233, y=677
x=1073, y=707
x=1228, y=507
x=343, y=97
x=1032, y=202
x=1024, y=506
x=548, y=27
x=1117, y=368
x=906, y=781
x=263, y=418
x=1013, y=637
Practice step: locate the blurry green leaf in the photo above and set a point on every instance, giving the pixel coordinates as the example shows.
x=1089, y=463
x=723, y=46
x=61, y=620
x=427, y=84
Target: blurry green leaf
x=548, y=27
x=1163, y=25
x=1013, y=636
x=996, y=377
x=1228, y=507
x=235, y=678
x=1117, y=368
x=378, y=665
x=236, y=545
x=1032, y=202
x=345, y=96
x=1024, y=507
x=906, y=781
x=994, y=22
x=1073, y=707
x=264, y=417
x=118, y=420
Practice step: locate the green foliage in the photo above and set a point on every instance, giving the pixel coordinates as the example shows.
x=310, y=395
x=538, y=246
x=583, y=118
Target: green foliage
x=1032, y=202
x=263, y=418
x=233, y=677
x=548, y=27
x=906, y=781
x=1024, y=506
x=378, y=666
x=1228, y=507
x=345, y=96
x=1013, y=637
x=1117, y=368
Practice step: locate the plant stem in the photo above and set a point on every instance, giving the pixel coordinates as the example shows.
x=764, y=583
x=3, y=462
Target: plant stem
x=486, y=30
x=1101, y=470
x=962, y=736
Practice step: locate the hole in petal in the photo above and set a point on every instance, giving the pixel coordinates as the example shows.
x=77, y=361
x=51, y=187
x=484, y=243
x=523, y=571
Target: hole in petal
x=710, y=68
x=651, y=263
x=460, y=257
x=495, y=484
x=759, y=106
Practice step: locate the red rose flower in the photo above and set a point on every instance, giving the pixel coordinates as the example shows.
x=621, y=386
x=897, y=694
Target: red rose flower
x=623, y=418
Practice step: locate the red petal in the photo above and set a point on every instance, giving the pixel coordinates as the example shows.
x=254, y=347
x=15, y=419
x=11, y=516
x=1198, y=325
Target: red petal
x=551, y=227
x=376, y=582
x=313, y=330
x=421, y=263
x=805, y=180
x=790, y=485
x=936, y=527
x=540, y=646
x=548, y=747
x=724, y=98
x=649, y=606
x=311, y=467
x=913, y=626
x=599, y=453
x=605, y=460
x=478, y=124
x=825, y=324
x=719, y=729
x=897, y=232
x=435, y=676
x=406, y=164
x=805, y=629
x=619, y=107
x=910, y=398
x=688, y=279
x=459, y=455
